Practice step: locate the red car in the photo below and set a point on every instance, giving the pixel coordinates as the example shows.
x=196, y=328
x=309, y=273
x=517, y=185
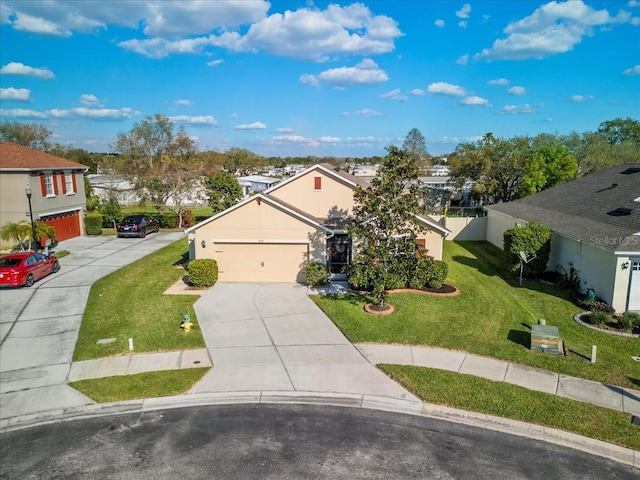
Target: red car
x=24, y=268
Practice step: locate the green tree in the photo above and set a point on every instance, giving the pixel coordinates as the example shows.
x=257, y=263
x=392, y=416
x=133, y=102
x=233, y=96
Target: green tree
x=531, y=239
x=161, y=163
x=414, y=144
x=621, y=130
x=549, y=167
x=31, y=135
x=241, y=160
x=111, y=209
x=223, y=191
x=386, y=226
x=18, y=231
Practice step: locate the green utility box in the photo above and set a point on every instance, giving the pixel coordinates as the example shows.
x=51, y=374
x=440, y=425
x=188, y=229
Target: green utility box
x=546, y=339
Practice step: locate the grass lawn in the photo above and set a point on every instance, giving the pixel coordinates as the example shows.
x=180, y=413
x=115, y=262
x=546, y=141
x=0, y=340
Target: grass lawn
x=142, y=385
x=502, y=399
x=129, y=303
x=197, y=210
x=492, y=316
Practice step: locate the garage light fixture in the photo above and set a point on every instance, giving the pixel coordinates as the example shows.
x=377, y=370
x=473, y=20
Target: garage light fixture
x=204, y=244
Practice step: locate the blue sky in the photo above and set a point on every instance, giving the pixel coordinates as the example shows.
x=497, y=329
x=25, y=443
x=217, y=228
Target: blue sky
x=288, y=78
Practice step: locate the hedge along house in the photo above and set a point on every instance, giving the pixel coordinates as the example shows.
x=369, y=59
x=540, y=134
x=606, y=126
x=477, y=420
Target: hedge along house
x=57, y=189
x=595, y=224
x=271, y=236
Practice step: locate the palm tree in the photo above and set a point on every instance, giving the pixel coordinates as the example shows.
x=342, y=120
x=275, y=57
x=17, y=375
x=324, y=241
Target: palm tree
x=19, y=231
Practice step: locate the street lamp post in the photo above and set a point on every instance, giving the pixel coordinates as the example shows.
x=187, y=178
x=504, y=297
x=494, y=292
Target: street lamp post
x=34, y=245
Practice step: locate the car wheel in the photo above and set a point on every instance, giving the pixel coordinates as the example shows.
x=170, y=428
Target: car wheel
x=157, y=228
x=29, y=281
x=56, y=267
x=143, y=233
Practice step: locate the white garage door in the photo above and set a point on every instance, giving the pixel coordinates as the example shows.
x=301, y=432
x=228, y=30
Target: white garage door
x=634, y=286
x=261, y=262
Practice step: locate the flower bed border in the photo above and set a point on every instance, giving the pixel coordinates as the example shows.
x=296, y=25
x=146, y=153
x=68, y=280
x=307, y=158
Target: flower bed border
x=413, y=290
x=577, y=318
x=369, y=309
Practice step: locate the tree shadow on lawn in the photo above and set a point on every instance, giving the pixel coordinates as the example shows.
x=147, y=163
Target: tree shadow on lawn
x=635, y=381
x=352, y=298
x=519, y=337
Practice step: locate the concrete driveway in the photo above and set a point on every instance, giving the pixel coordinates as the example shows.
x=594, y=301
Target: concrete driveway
x=39, y=325
x=273, y=337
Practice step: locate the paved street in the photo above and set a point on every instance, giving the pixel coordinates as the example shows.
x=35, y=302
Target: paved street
x=39, y=325
x=288, y=442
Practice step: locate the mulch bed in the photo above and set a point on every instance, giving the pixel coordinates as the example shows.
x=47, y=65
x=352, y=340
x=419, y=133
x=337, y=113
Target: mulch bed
x=373, y=309
x=445, y=291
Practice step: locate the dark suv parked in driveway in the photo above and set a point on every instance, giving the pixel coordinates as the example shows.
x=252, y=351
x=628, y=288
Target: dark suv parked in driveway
x=137, y=226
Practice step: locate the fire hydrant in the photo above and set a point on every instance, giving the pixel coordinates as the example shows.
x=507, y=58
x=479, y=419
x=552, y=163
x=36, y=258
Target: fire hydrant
x=186, y=323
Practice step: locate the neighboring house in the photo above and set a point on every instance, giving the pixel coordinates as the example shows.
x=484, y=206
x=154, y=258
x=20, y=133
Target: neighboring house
x=256, y=183
x=439, y=170
x=104, y=186
x=595, y=223
x=271, y=236
x=57, y=189
x=365, y=170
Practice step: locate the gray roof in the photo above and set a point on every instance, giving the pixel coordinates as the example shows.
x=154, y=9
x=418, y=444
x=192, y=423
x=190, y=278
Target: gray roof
x=602, y=208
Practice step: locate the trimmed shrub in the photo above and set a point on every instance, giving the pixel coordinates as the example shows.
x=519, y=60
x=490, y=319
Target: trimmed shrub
x=428, y=273
x=598, y=306
x=93, y=224
x=629, y=320
x=530, y=239
x=316, y=273
x=598, y=317
x=187, y=218
x=203, y=272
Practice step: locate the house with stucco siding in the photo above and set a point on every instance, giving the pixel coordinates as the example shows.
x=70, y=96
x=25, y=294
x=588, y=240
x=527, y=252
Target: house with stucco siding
x=271, y=236
x=595, y=224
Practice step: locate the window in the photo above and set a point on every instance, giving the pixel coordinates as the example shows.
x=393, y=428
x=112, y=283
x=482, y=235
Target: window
x=47, y=182
x=69, y=183
x=317, y=183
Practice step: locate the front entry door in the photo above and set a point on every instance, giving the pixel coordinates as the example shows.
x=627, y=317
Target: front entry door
x=338, y=253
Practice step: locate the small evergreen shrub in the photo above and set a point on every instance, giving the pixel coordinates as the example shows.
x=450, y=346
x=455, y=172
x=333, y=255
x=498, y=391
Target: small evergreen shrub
x=598, y=317
x=316, y=273
x=598, y=306
x=629, y=320
x=93, y=224
x=429, y=273
x=532, y=238
x=203, y=272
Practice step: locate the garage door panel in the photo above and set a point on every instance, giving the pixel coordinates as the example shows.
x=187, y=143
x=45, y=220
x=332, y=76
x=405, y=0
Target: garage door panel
x=261, y=262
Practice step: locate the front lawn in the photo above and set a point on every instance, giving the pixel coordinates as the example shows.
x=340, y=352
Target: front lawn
x=492, y=316
x=129, y=303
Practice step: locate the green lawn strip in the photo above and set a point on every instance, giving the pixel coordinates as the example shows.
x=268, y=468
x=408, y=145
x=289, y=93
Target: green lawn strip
x=492, y=317
x=475, y=394
x=129, y=303
x=142, y=385
x=152, y=211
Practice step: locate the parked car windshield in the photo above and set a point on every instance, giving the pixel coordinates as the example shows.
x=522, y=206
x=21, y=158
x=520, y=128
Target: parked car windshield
x=132, y=219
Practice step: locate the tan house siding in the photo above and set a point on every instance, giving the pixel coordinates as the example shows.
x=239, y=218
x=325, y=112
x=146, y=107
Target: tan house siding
x=334, y=199
x=433, y=244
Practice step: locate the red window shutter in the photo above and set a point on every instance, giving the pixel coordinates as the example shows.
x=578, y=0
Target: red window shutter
x=64, y=183
x=422, y=244
x=73, y=181
x=54, y=179
x=43, y=185
x=317, y=183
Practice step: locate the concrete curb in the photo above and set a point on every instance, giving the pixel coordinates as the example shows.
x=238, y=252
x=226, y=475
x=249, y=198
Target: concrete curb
x=554, y=436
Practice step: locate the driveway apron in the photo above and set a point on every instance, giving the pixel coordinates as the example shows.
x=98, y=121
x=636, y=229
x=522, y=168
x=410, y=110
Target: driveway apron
x=39, y=325
x=273, y=337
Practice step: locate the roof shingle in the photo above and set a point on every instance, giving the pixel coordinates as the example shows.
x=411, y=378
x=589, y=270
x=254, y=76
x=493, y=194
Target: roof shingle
x=17, y=157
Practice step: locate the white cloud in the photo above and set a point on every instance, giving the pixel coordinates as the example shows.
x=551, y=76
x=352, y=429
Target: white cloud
x=293, y=140
x=632, y=71
x=553, y=28
x=517, y=109
x=464, y=11
x=100, y=114
x=439, y=23
x=366, y=112
x=306, y=33
x=89, y=100
x=394, y=95
x=443, y=88
x=16, y=68
x=364, y=73
x=498, y=81
x=251, y=126
x=417, y=91
x=330, y=139
x=197, y=120
x=17, y=94
x=309, y=79
x=463, y=24
x=516, y=90
x=284, y=130
x=182, y=103
x=21, y=113
x=475, y=100
x=214, y=63
x=580, y=98
x=634, y=3
x=463, y=60
x=233, y=115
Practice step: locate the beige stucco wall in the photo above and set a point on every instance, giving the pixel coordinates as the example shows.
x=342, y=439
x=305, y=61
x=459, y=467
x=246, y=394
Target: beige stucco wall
x=334, y=200
x=433, y=244
x=497, y=223
x=14, y=203
x=258, y=223
x=464, y=228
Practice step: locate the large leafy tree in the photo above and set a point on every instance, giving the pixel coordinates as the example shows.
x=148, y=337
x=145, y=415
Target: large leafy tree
x=548, y=167
x=31, y=135
x=621, y=130
x=223, y=191
x=241, y=160
x=160, y=161
x=386, y=227
x=497, y=166
x=415, y=144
